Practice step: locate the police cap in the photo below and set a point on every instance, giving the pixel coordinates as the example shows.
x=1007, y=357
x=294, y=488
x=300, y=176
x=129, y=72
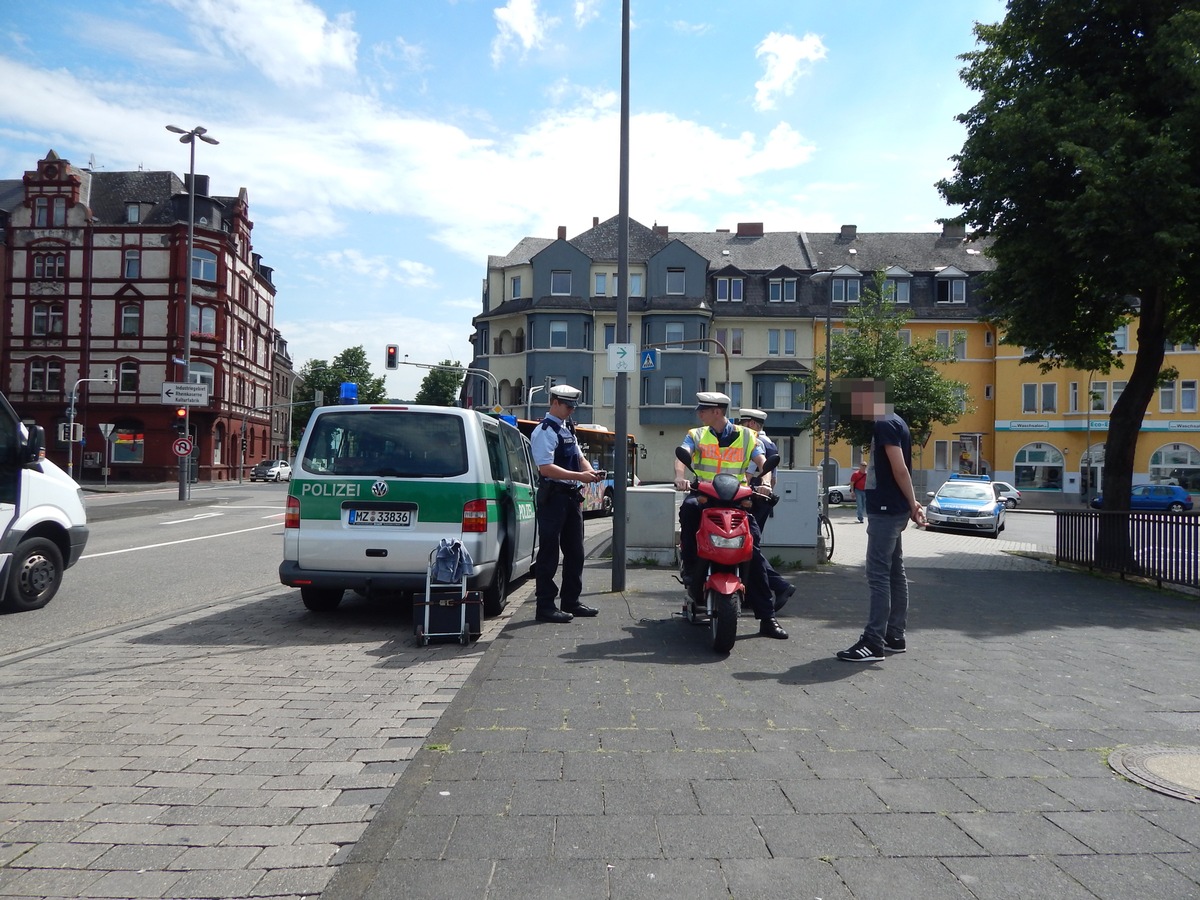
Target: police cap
x=757, y=414
x=564, y=393
x=711, y=400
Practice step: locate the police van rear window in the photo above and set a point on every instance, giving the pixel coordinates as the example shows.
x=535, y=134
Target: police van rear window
x=392, y=443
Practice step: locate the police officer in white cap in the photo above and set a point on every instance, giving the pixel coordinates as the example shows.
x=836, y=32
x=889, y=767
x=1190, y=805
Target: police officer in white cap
x=719, y=445
x=564, y=470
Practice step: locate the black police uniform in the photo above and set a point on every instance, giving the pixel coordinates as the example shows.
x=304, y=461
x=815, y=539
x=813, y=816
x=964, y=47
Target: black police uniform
x=560, y=526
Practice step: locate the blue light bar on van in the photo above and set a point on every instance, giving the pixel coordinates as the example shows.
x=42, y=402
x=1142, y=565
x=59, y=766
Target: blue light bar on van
x=349, y=393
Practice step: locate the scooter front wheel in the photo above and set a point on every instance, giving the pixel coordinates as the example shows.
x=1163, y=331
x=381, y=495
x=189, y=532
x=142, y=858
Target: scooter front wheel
x=724, y=620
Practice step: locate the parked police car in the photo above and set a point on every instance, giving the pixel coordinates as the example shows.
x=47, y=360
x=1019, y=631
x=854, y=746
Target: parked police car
x=966, y=502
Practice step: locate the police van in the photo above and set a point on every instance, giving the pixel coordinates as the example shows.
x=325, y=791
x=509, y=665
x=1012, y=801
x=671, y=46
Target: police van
x=43, y=526
x=375, y=488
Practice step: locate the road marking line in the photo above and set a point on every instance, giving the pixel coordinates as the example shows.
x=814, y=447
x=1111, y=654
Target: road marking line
x=194, y=518
x=203, y=537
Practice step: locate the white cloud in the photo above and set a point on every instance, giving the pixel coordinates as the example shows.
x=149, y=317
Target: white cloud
x=785, y=56
x=379, y=268
x=290, y=41
x=586, y=11
x=683, y=27
x=519, y=26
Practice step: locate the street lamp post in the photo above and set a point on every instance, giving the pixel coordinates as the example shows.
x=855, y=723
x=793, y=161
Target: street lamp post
x=822, y=278
x=189, y=138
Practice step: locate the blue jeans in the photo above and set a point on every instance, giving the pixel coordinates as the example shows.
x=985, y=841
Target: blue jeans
x=860, y=504
x=885, y=578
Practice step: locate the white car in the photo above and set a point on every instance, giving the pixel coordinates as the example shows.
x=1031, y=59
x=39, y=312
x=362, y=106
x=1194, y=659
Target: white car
x=272, y=470
x=840, y=493
x=1006, y=492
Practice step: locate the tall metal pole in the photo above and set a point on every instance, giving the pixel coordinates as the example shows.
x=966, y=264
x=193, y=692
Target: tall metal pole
x=189, y=138
x=621, y=460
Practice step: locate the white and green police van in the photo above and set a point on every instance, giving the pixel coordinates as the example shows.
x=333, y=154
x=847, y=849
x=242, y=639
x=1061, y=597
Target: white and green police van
x=375, y=488
x=43, y=527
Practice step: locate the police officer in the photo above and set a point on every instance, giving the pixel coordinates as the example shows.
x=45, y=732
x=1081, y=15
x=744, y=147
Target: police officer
x=755, y=420
x=560, y=509
x=719, y=445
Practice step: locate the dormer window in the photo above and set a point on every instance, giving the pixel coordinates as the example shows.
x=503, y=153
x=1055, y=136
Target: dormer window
x=951, y=285
x=729, y=290
x=846, y=290
x=133, y=213
x=676, y=283
x=560, y=283
x=781, y=290
x=897, y=285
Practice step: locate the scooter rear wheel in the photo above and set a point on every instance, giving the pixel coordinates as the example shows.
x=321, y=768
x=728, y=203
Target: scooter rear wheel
x=724, y=620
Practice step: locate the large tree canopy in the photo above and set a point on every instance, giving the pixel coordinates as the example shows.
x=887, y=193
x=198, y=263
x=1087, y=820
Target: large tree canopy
x=327, y=377
x=440, y=386
x=1082, y=164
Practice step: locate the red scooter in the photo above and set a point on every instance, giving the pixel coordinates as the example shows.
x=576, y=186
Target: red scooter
x=724, y=544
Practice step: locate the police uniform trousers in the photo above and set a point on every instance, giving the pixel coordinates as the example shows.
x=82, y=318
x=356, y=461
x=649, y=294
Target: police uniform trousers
x=560, y=527
x=762, y=512
x=758, y=588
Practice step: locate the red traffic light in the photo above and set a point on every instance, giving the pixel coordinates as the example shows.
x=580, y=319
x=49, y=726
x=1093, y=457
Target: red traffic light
x=393, y=356
x=181, y=412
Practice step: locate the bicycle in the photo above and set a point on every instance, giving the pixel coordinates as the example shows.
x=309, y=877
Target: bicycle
x=825, y=529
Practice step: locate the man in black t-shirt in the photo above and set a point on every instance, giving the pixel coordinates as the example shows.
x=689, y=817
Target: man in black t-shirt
x=891, y=505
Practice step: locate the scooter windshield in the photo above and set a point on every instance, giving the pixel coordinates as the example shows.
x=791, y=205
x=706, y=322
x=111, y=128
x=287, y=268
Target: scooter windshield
x=726, y=486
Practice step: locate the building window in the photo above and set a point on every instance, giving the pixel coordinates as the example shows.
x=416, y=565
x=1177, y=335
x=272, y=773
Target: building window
x=896, y=290
x=674, y=333
x=204, y=264
x=1166, y=397
x=558, y=334
x=133, y=264
x=131, y=319
x=202, y=373
x=1049, y=398
x=635, y=284
x=789, y=342
x=127, y=380
x=241, y=340
x=1118, y=388
x=1187, y=396
x=46, y=376
x=50, y=266
x=1029, y=398
x=608, y=391
x=41, y=212
x=905, y=335
x=732, y=390
x=1072, y=396
x=1099, y=396
x=941, y=455
x=515, y=286
x=601, y=284
x=735, y=341
x=987, y=339
x=560, y=283
x=1120, y=338
x=783, y=395
x=676, y=282
x=952, y=290
x=845, y=290
x=673, y=391
x=987, y=392
x=47, y=319
x=781, y=289
x=773, y=342
x=133, y=213
x=960, y=345
x=204, y=321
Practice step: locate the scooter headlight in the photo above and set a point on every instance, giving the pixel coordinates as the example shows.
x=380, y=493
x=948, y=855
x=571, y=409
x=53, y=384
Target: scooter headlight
x=728, y=543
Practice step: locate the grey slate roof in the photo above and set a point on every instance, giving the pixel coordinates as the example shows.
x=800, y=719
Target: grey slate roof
x=601, y=241
x=527, y=248
x=914, y=251
x=12, y=192
x=112, y=190
x=749, y=254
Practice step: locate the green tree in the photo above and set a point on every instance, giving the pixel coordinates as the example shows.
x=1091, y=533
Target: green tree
x=1082, y=164
x=440, y=386
x=870, y=346
x=318, y=375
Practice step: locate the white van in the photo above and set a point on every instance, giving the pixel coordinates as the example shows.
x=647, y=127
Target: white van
x=43, y=527
x=375, y=488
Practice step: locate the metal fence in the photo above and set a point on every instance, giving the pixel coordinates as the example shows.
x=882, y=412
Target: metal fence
x=1161, y=546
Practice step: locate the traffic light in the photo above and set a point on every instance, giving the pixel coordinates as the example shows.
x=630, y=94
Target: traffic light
x=393, y=356
x=180, y=423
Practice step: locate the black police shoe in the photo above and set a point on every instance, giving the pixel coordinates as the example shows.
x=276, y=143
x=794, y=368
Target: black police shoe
x=770, y=628
x=554, y=615
x=580, y=609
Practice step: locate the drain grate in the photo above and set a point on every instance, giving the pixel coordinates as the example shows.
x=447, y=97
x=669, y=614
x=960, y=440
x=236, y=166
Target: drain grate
x=1174, y=771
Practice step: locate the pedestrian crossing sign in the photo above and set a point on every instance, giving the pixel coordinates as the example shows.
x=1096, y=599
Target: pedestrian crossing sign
x=649, y=360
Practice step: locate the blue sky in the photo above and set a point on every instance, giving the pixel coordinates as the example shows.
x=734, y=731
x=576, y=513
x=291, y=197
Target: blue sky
x=389, y=146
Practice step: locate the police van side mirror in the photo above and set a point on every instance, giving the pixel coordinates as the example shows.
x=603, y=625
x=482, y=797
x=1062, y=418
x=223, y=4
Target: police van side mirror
x=33, y=448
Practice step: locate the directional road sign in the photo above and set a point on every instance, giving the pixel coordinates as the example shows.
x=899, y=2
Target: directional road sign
x=184, y=393
x=622, y=357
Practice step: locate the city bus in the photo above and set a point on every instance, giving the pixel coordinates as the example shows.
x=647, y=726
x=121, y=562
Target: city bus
x=598, y=444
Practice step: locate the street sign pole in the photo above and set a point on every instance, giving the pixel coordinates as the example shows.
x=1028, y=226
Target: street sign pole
x=106, y=428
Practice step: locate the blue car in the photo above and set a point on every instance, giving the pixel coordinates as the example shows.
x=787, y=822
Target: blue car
x=1160, y=497
x=971, y=505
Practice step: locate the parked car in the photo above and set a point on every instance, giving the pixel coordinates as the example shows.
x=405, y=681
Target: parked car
x=969, y=505
x=1162, y=497
x=272, y=470
x=840, y=493
x=1006, y=492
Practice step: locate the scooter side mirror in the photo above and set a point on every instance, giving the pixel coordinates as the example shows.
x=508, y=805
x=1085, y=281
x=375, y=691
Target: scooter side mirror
x=771, y=463
x=683, y=456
